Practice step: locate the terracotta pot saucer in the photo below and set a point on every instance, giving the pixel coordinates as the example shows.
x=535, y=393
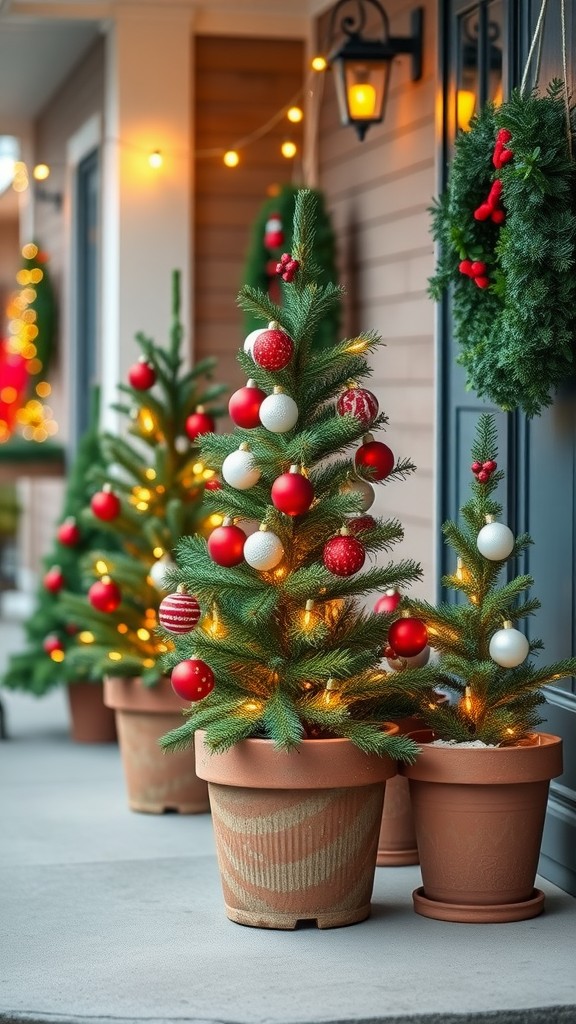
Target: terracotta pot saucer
x=467, y=913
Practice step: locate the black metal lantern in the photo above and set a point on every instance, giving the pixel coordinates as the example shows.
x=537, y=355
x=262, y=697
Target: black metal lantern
x=362, y=66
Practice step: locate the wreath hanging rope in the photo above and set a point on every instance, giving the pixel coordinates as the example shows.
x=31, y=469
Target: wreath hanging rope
x=506, y=225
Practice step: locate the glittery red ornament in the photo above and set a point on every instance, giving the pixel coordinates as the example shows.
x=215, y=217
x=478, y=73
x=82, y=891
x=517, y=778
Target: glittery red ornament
x=343, y=555
x=179, y=613
x=213, y=485
x=54, y=579
x=374, y=458
x=142, y=375
x=68, y=533
x=388, y=602
x=407, y=637
x=273, y=349
x=292, y=493
x=226, y=545
x=52, y=643
x=361, y=523
x=244, y=405
x=105, y=595
x=105, y=504
x=359, y=403
x=198, y=423
x=192, y=679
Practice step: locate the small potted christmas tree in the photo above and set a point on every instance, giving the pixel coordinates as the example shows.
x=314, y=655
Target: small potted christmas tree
x=50, y=633
x=479, y=787
x=148, y=494
x=283, y=670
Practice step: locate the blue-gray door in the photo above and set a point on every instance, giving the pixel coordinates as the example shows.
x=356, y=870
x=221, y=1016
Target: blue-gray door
x=483, y=48
x=85, y=273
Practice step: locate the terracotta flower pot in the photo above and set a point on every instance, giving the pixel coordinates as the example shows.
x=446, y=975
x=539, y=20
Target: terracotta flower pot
x=479, y=815
x=90, y=720
x=397, y=840
x=155, y=781
x=296, y=832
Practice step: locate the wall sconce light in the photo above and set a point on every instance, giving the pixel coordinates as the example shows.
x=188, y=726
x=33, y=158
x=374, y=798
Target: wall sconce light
x=40, y=173
x=362, y=66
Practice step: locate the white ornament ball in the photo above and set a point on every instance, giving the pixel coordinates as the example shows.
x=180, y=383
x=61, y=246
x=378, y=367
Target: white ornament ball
x=182, y=445
x=416, y=661
x=157, y=571
x=495, y=541
x=251, y=338
x=239, y=470
x=509, y=648
x=362, y=487
x=263, y=550
x=278, y=413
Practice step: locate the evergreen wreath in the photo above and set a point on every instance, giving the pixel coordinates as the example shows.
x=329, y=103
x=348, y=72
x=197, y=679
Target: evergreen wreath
x=506, y=228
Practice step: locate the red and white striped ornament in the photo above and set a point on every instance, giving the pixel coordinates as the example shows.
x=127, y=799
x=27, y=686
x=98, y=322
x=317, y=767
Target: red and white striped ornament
x=359, y=403
x=179, y=612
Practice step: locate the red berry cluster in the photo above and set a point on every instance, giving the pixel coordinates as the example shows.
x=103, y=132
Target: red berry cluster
x=501, y=155
x=492, y=208
x=287, y=267
x=483, y=470
x=476, y=270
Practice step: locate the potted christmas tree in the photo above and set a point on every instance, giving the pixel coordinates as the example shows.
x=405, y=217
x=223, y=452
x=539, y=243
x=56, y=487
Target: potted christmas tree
x=283, y=671
x=150, y=494
x=50, y=633
x=479, y=787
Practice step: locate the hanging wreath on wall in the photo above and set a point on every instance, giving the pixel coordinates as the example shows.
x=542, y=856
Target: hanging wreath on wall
x=506, y=227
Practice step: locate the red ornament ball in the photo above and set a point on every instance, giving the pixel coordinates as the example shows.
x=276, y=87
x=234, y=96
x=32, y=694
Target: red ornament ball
x=68, y=533
x=244, y=406
x=273, y=349
x=388, y=602
x=292, y=494
x=179, y=613
x=105, y=505
x=54, y=579
x=360, y=403
x=105, y=595
x=213, y=485
x=142, y=375
x=407, y=637
x=343, y=555
x=192, y=679
x=361, y=523
x=226, y=545
x=375, y=459
x=198, y=423
x=52, y=643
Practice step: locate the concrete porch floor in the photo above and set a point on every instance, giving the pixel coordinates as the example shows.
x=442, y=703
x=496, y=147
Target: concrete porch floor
x=111, y=916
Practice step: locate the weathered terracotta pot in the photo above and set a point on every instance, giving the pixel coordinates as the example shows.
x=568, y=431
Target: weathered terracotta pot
x=397, y=840
x=156, y=781
x=296, y=832
x=479, y=816
x=90, y=720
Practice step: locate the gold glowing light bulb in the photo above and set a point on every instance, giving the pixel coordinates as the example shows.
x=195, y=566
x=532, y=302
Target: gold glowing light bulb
x=362, y=100
x=155, y=159
x=231, y=158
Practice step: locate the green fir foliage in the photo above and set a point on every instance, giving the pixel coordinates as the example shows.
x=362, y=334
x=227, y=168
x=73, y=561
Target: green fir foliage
x=292, y=650
x=516, y=336
x=156, y=473
x=490, y=703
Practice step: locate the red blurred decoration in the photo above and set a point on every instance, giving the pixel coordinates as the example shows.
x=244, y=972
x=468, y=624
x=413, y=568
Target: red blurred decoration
x=105, y=595
x=52, y=643
x=407, y=637
x=54, y=579
x=105, y=504
x=226, y=545
x=213, y=485
x=361, y=523
x=14, y=377
x=273, y=233
x=292, y=494
x=388, y=602
x=68, y=533
x=192, y=679
x=244, y=406
x=142, y=375
x=198, y=423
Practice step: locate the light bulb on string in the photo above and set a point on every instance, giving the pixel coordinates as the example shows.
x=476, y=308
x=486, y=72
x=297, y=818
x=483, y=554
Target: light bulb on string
x=288, y=149
x=41, y=172
x=295, y=114
x=155, y=159
x=318, y=63
x=231, y=158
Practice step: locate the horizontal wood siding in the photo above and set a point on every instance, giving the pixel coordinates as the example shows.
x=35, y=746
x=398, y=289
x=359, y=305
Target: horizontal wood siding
x=378, y=192
x=239, y=85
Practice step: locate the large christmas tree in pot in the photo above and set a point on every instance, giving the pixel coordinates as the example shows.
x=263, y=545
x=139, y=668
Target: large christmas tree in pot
x=283, y=670
x=148, y=494
x=479, y=787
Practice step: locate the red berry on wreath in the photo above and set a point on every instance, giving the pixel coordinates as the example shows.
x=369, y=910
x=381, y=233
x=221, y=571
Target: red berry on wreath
x=388, y=603
x=483, y=212
x=52, y=643
x=490, y=465
x=198, y=423
x=361, y=523
x=54, y=579
x=105, y=595
x=192, y=679
x=465, y=267
x=343, y=555
x=359, y=403
x=105, y=504
x=374, y=458
x=478, y=267
x=68, y=533
x=273, y=349
x=226, y=544
x=179, y=612
x=244, y=405
x=292, y=493
x=408, y=636
x=476, y=467
x=482, y=282
x=142, y=375
x=498, y=216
